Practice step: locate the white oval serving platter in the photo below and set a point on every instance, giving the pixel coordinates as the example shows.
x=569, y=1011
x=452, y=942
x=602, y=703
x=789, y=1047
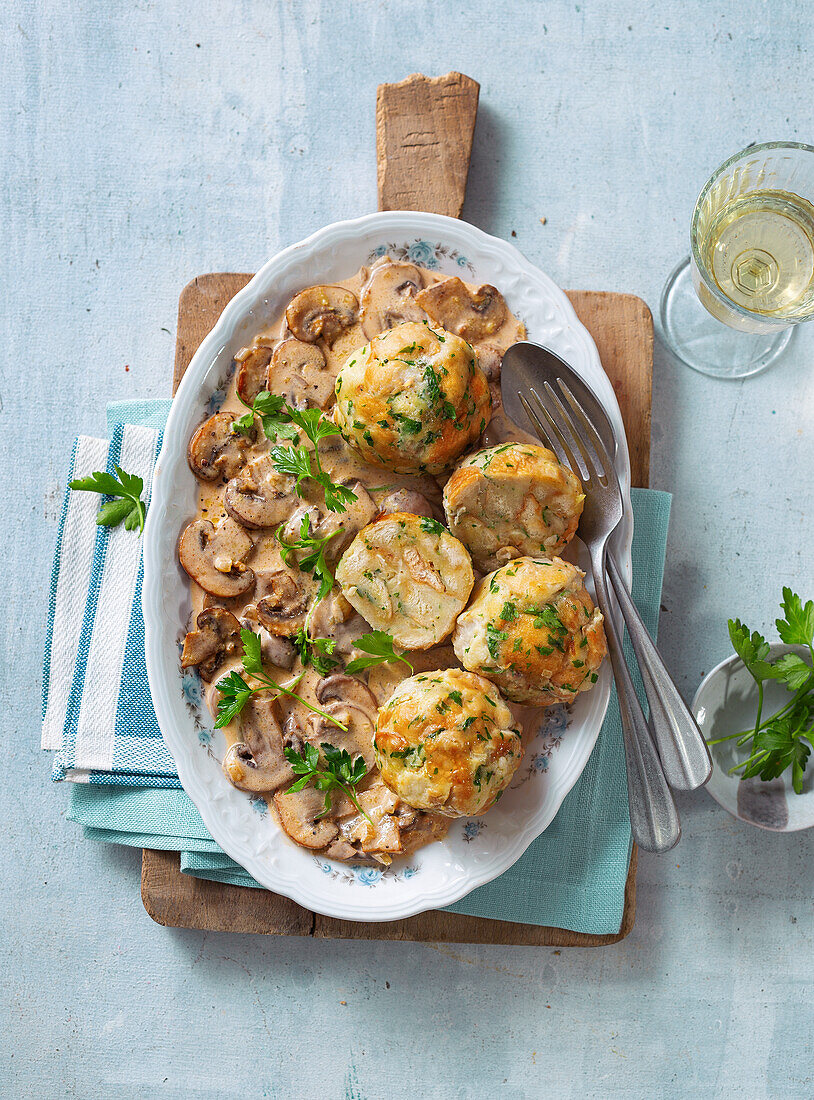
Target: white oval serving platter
x=475, y=850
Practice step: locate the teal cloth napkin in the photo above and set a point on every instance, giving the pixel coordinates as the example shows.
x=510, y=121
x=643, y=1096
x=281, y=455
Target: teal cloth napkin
x=573, y=876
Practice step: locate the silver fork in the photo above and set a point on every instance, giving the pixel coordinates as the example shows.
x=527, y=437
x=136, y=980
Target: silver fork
x=653, y=817
x=680, y=744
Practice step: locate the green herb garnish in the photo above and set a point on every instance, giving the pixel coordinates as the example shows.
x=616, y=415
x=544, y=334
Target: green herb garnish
x=379, y=646
x=126, y=506
x=236, y=691
x=274, y=417
x=493, y=639
x=296, y=461
x=340, y=773
x=308, y=553
x=786, y=738
x=431, y=526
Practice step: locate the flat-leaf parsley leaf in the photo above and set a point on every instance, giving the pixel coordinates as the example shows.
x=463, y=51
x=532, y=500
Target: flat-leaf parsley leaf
x=126, y=505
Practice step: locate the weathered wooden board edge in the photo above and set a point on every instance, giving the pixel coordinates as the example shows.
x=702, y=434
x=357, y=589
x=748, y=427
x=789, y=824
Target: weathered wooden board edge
x=424, y=132
x=177, y=900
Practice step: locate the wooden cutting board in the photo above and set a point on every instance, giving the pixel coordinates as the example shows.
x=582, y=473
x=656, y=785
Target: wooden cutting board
x=424, y=139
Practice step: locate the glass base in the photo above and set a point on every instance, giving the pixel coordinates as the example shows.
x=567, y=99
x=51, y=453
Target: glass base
x=696, y=338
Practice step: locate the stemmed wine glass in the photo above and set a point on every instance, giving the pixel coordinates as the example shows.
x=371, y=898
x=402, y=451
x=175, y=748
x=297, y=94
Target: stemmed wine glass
x=751, y=264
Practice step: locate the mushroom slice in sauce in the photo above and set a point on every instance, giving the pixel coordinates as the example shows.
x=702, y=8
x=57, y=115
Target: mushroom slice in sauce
x=409, y=500
x=257, y=763
x=215, y=450
x=299, y=815
x=321, y=311
x=422, y=830
x=358, y=741
x=457, y=309
x=490, y=359
x=341, y=849
x=388, y=298
x=343, y=526
x=341, y=686
x=384, y=835
x=260, y=496
x=252, y=369
x=215, y=556
x=217, y=637
x=282, y=611
x=275, y=649
x=330, y=614
x=297, y=372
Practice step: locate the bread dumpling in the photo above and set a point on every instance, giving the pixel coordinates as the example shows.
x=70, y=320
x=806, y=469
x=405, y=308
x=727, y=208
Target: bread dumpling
x=407, y=576
x=413, y=399
x=512, y=501
x=533, y=630
x=447, y=742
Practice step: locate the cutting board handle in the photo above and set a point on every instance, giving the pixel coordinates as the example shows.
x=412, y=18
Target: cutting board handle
x=424, y=130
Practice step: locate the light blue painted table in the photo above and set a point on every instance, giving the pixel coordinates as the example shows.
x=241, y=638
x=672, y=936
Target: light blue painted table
x=143, y=143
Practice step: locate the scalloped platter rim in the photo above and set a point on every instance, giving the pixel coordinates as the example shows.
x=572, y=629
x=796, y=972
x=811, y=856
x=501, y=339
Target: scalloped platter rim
x=475, y=851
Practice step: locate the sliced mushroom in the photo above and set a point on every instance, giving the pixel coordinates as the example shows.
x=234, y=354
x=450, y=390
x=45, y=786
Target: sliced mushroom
x=331, y=612
x=217, y=637
x=277, y=651
x=257, y=763
x=350, y=689
x=357, y=741
x=324, y=311
x=344, y=526
x=425, y=829
x=260, y=496
x=293, y=527
x=297, y=372
x=405, y=816
x=388, y=298
x=282, y=611
x=215, y=450
x=253, y=363
x=491, y=360
x=457, y=309
x=341, y=849
x=293, y=737
x=215, y=556
x=299, y=817
x=408, y=500
x=384, y=835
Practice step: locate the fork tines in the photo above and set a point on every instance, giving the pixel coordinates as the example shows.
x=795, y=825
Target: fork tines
x=568, y=434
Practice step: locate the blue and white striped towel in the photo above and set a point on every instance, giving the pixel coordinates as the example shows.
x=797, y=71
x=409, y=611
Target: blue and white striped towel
x=97, y=711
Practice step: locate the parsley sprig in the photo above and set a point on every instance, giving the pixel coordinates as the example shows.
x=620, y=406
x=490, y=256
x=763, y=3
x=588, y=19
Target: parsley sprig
x=308, y=553
x=379, y=647
x=300, y=463
x=126, y=505
x=281, y=421
x=236, y=691
x=786, y=738
x=339, y=773
x=272, y=410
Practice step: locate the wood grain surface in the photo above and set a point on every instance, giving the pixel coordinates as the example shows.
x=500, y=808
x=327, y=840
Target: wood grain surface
x=622, y=327
x=424, y=130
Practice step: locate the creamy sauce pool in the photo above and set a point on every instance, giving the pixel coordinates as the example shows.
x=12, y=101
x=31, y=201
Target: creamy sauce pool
x=344, y=465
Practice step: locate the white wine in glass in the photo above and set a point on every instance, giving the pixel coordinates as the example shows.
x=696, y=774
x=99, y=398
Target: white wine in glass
x=751, y=265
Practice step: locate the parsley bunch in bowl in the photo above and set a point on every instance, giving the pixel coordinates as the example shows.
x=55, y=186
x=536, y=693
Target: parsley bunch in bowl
x=785, y=739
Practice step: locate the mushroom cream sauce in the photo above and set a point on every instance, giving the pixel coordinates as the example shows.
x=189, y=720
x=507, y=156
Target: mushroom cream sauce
x=343, y=834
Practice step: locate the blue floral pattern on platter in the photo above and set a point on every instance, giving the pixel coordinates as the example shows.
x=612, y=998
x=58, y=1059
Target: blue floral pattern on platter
x=473, y=828
x=367, y=875
x=423, y=253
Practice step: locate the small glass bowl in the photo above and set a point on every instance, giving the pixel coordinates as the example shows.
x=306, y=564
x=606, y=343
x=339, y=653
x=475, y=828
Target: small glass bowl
x=727, y=701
